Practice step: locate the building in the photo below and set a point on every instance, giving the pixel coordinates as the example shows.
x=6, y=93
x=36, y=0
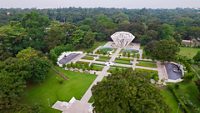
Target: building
x=122, y=39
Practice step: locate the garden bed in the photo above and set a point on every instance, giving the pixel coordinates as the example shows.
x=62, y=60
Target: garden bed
x=123, y=60
x=146, y=64
x=103, y=58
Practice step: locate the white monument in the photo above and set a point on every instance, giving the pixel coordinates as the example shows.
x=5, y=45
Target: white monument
x=122, y=39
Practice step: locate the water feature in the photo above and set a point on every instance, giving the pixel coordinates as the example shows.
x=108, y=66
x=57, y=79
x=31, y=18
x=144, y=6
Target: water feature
x=174, y=72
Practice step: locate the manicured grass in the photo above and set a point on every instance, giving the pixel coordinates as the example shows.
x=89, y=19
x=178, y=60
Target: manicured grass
x=188, y=51
x=123, y=60
x=97, y=67
x=147, y=64
x=151, y=74
x=88, y=57
x=48, y=92
x=103, y=58
x=113, y=68
x=170, y=100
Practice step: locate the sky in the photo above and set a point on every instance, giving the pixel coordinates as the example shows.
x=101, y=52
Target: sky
x=130, y=4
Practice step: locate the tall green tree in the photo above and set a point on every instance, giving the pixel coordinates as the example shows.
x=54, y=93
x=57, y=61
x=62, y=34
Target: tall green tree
x=165, y=50
x=166, y=31
x=12, y=39
x=38, y=65
x=55, y=35
x=35, y=24
x=127, y=92
x=10, y=91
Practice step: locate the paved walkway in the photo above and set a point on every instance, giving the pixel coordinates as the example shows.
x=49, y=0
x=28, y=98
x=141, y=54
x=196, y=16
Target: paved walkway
x=86, y=97
x=162, y=73
x=114, y=55
x=96, y=49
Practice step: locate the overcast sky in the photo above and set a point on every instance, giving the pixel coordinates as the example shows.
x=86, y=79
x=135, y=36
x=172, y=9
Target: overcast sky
x=100, y=3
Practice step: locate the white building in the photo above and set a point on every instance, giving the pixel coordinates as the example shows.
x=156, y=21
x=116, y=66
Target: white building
x=122, y=39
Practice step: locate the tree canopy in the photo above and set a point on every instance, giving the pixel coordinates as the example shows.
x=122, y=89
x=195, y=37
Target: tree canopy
x=165, y=50
x=127, y=92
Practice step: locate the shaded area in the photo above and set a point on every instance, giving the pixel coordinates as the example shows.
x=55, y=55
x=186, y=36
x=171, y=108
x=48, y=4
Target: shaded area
x=173, y=71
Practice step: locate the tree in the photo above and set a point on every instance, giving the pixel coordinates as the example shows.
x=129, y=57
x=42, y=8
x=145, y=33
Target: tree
x=77, y=38
x=127, y=92
x=55, y=35
x=197, y=57
x=165, y=50
x=38, y=65
x=88, y=40
x=11, y=88
x=12, y=38
x=166, y=31
x=35, y=24
x=55, y=52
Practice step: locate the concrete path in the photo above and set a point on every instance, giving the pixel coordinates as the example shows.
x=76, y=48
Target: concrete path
x=140, y=53
x=86, y=97
x=114, y=55
x=96, y=49
x=162, y=73
x=92, y=61
x=147, y=68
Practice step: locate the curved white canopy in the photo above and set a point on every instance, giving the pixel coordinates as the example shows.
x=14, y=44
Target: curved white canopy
x=122, y=39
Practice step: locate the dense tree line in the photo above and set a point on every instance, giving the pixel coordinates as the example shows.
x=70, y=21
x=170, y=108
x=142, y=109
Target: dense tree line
x=128, y=92
x=29, y=37
x=28, y=67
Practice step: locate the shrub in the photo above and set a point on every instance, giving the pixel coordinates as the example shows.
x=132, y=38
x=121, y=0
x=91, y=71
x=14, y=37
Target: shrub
x=189, y=76
x=55, y=52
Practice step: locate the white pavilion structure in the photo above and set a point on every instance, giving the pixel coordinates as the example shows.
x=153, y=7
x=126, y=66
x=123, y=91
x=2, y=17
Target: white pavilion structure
x=122, y=38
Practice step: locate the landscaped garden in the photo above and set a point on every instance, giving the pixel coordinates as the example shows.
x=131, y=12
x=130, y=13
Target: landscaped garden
x=123, y=60
x=88, y=57
x=55, y=88
x=146, y=64
x=129, y=53
x=104, y=50
x=116, y=68
x=151, y=74
x=97, y=67
x=103, y=58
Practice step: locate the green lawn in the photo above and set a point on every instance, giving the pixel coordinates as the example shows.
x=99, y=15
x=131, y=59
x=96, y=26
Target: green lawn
x=123, y=60
x=97, y=67
x=147, y=64
x=88, y=57
x=189, y=92
x=188, y=51
x=151, y=74
x=48, y=92
x=103, y=58
x=170, y=100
